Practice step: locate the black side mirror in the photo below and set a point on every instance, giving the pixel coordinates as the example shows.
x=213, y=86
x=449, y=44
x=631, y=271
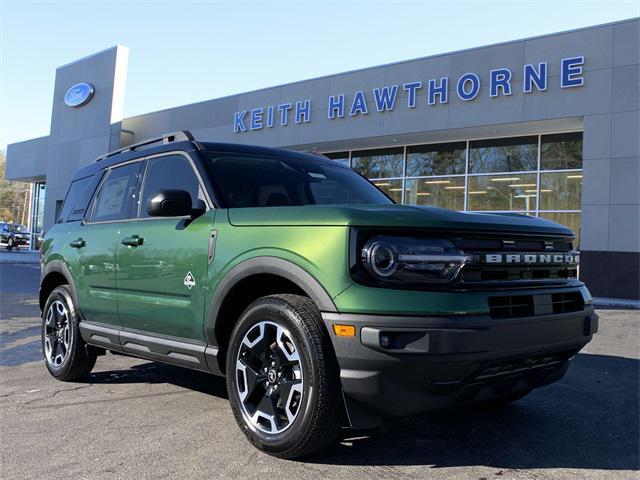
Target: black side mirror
x=170, y=203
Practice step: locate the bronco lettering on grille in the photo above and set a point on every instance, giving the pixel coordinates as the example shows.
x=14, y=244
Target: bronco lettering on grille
x=533, y=258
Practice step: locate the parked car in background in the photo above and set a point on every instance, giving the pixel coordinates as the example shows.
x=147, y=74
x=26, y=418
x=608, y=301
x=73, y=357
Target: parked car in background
x=13, y=235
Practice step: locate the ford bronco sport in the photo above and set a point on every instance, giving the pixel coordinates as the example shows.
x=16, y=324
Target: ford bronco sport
x=323, y=303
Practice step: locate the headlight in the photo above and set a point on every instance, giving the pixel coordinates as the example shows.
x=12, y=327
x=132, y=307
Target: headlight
x=412, y=260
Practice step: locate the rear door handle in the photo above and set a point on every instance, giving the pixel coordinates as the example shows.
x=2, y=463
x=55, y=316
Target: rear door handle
x=77, y=243
x=133, y=241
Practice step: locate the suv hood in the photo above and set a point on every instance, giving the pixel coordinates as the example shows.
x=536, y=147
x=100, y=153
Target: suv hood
x=390, y=216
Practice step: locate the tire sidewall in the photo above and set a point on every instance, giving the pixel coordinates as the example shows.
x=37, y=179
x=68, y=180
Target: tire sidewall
x=281, y=313
x=63, y=294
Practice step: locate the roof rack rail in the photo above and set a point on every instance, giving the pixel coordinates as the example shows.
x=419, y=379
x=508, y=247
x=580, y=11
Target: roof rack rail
x=178, y=136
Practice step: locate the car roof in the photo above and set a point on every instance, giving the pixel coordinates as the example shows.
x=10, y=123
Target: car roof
x=191, y=146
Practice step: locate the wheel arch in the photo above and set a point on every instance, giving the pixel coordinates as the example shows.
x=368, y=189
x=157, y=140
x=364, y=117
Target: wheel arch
x=54, y=274
x=250, y=280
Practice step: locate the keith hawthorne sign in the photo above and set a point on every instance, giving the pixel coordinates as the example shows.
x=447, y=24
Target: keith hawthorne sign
x=432, y=92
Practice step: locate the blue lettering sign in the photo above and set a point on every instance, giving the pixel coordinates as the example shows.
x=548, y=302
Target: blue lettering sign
x=256, y=118
x=336, y=106
x=571, y=72
x=463, y=92
x=359, y=104
x=385, y=98
x=500, y=78
x=439, y=90
x=303, y=111
x=238, y=122
x=270, y=113
x=284, y=108
x=411, y=92
x=537, y=77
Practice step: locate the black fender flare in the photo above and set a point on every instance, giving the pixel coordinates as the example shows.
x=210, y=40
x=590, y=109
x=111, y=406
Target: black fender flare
x=57, y=266
x=266, y=265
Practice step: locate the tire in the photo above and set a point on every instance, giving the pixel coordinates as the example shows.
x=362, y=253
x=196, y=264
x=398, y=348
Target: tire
x=306, y=392
x=64, y=351
x=10, y=244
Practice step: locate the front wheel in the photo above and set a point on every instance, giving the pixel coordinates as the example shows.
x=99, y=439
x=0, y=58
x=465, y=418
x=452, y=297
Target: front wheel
x=10, y=244
x=65, y=353
x=282, y=377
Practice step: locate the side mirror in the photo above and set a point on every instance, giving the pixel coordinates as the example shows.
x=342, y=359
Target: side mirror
x=170, y=203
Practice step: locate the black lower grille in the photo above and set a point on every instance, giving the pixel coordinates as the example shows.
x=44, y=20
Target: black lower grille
x=531, y=305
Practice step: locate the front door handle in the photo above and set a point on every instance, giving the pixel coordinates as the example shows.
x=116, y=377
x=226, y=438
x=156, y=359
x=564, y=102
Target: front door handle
x=77, y=243
x=132, y=241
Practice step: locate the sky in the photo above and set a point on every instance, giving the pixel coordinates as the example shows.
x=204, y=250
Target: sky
x=186, y=51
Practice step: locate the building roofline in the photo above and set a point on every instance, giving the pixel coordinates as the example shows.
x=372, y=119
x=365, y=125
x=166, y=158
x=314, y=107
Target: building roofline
x=385, y=65
x=115, y=47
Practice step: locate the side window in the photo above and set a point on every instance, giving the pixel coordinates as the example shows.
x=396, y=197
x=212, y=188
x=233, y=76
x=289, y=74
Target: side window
x=169, y=172
x=73, y=195
x=116, y=199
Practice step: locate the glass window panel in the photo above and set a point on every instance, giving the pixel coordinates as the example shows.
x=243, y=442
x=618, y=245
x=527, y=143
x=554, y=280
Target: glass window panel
x=503, y=155
x=436, y=159
x=561, y=151
x=502, y=192
x=379, y=163
x=568, y=219
x=116, y=197
x=560, y=191
x=340, y=157
x=436, y=192
x=393, y=188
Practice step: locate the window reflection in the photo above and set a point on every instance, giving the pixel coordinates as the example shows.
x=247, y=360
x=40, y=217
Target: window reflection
x=502, y=192
x=393, y=188
x=436, y=159
x=379, y=163
x=503, y=155
x=560, y=191
x=561, y=151
x=445, y=192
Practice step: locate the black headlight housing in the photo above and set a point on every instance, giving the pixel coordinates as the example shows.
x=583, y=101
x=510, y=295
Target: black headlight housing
x=405, y=261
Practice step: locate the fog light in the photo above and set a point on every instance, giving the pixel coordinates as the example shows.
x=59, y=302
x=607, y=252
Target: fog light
x=344, y=330
x=385, y=341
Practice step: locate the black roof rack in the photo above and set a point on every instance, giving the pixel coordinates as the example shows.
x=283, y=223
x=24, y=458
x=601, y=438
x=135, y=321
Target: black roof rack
x=179, y=136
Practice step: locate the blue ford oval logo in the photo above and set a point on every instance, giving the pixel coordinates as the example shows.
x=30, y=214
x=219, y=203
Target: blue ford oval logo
x=79, y=94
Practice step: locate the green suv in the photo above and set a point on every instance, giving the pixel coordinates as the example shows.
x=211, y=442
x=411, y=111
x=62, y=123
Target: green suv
x=324, y=304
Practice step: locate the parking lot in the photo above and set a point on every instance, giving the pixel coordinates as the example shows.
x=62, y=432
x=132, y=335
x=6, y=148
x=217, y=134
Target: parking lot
x=139, y=419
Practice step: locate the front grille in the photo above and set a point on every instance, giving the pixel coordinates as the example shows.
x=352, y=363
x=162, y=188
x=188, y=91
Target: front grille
x=484, y=274
x=514, y=306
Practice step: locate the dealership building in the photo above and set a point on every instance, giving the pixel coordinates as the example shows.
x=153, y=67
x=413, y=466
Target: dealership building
x=546, y=126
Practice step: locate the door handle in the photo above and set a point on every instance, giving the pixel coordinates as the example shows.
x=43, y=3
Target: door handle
x=132, y=241
x=77, y=243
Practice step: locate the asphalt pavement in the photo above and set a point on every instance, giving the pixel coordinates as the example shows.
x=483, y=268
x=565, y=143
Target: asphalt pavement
x=137, y=419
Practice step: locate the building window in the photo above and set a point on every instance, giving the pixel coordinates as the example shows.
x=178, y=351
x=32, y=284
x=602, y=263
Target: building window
x=561, y=151
x=436, y=159
x=560, y=190
x=379, y=163
x=517, y=154
x=445, y=192
x=37, y=213
x=502, y=192
x=391, y=187
x=539, y=175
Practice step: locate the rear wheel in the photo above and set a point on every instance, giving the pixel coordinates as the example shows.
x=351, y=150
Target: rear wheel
x=282, y=377
x=65, y=353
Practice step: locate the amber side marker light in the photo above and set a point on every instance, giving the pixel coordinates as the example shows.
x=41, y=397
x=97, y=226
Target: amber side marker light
x=344, y=330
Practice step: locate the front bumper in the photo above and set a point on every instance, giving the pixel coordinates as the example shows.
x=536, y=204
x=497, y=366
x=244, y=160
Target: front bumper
x=435, y=362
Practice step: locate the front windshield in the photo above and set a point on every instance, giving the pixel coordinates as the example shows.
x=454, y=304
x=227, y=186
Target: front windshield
x=244, y=180
x=17, y=228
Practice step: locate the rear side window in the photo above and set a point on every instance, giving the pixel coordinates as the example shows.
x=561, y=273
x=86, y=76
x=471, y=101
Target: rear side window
x=77, y=199
x=169, y=172
x=117, y=198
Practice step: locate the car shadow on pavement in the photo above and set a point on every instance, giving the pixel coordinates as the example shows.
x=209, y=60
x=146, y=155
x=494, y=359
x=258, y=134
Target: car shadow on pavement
x=588, y=420
x=153, y=372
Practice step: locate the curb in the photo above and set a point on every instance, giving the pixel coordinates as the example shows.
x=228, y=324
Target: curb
x=616, y=303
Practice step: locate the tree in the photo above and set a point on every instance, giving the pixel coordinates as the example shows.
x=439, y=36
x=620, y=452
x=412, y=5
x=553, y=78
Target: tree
x=14, y=197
